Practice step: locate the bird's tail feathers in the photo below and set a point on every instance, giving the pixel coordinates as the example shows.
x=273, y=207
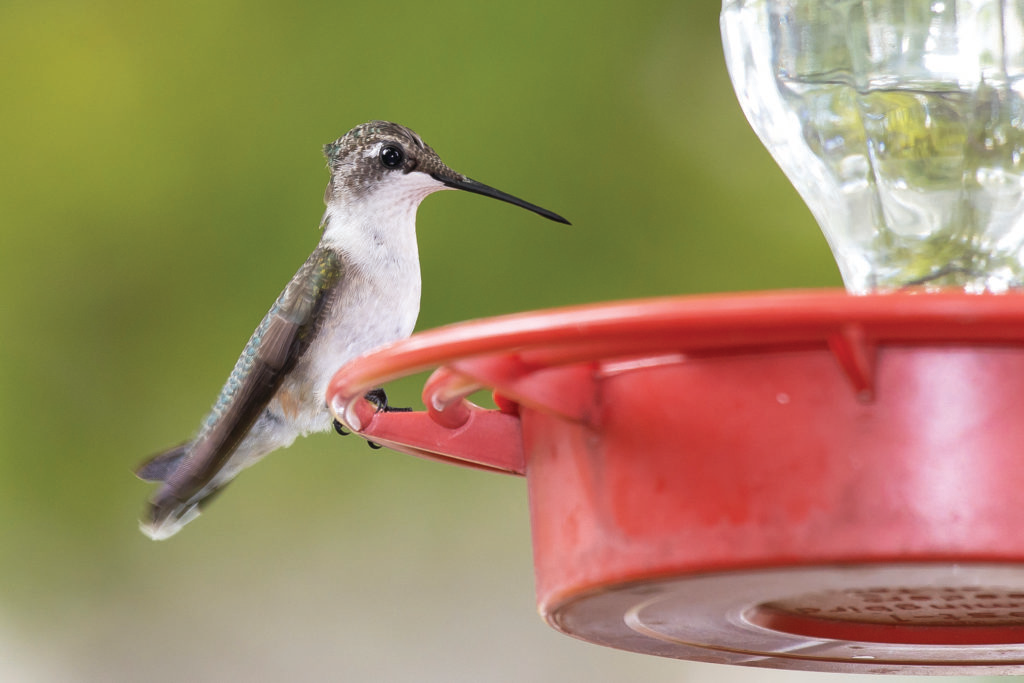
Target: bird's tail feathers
x=162, y=465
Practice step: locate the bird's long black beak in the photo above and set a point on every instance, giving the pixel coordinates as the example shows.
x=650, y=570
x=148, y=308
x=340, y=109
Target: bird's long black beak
x=470, y=185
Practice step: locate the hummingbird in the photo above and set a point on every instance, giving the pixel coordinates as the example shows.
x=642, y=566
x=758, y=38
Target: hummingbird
x=359, y=289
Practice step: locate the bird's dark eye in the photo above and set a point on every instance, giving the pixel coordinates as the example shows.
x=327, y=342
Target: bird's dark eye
x=392, y=156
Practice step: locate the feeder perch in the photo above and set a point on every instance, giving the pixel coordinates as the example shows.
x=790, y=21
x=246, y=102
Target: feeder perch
x=809, y=480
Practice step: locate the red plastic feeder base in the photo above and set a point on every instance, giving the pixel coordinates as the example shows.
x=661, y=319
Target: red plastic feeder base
x=801, y=480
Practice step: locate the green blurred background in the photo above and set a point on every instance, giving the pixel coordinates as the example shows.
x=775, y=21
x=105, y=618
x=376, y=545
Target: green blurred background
x=162, y=179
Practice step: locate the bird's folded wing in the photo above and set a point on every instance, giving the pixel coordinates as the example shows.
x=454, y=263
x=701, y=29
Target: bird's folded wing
x=278, y=343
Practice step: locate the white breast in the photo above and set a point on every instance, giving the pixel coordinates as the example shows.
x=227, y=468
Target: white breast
x=378, y=301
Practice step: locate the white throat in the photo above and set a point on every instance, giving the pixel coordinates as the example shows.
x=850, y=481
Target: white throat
x=380, y=298
x=377, y=230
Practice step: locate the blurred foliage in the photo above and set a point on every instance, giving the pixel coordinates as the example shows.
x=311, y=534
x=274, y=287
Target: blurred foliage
x=162, y=179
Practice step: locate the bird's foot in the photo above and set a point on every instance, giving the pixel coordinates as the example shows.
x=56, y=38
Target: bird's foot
x=380, y=400
x=340, y=428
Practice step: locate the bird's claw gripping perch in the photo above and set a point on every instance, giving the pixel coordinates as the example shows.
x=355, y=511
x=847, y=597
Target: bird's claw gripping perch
x=379, y=398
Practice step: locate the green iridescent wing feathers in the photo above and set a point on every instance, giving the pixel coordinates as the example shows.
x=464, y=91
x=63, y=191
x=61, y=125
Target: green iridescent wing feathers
x=275, y=346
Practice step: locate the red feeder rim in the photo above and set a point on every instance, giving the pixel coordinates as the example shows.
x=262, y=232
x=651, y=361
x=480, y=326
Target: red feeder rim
x=805, y=480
